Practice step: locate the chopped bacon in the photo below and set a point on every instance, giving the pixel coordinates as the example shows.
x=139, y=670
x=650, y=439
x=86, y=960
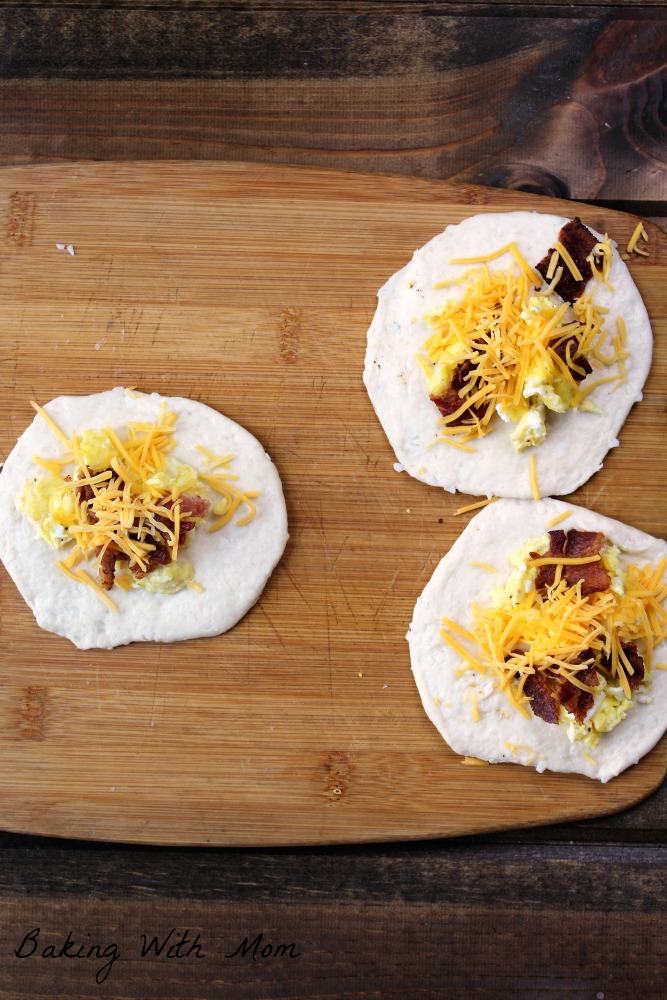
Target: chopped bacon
x=542, y=701
x=573, y=545
x=84, y=494
x=636, y=662
x=107, y=568
x=573, y=698
x=575, y=360
x=547, y=691
x=193, y=505
x=579, y=243
x=451, y=400
x=159, y=556
x=583, y=543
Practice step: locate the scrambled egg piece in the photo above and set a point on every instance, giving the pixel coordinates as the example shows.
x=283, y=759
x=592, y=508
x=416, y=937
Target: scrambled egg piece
x=97, y=450
x=175, y=476
x=522, y=580
x=166, y=579
x=44, y=501
x=611, y=707
x=609, y=554
x=440, y=374
x=531, y=429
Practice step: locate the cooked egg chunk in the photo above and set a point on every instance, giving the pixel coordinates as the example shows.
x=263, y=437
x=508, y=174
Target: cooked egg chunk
x=440, y=374
x=176, y=477
x=44, y=501
x=97, y=450
x=167, y=579
x=531, y=429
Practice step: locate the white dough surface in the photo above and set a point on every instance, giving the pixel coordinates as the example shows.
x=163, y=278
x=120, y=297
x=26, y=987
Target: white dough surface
x=502, y=733
x=232, y=564
x=577, y=441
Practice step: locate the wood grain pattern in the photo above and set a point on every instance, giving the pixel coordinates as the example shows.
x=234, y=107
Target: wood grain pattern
x=251, y=288
x=409, y=920
x=561, y=101
x=398, y=948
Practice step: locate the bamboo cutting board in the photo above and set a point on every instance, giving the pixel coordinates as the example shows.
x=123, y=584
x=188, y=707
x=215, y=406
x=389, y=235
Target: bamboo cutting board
x=251, y=288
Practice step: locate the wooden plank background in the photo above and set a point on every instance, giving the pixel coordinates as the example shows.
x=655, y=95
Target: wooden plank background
x=536, y=96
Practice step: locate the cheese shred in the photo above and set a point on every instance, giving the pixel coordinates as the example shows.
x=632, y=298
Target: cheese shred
x=639, y=233
x=475, y=506
x=533, y=478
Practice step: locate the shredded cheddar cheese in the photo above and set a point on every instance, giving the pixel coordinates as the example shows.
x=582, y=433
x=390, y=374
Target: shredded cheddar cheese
x=559, y=517
x=534, y=485
x=567, y=260
x=483, y=565
x=603, y=252
x=639, y=233
x=51, y=422
x=474, y=506
x=82, y=577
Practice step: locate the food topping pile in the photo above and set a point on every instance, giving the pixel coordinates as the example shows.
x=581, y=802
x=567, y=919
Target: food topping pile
x=124, y=502
x=570, y=635
x=519, y=343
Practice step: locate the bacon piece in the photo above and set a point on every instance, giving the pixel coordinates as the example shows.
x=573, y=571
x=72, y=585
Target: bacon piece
x=593, y=577
x=579, y=242
x=575, y=360
x=107, y=568
x=571, y=697
x=84, y=493
x=636, y=662
x=583, y=543
x=450, y=400
x=542, y=701
x=193, y=505
x=159, y=556
x=547, y=691
x=574, y=545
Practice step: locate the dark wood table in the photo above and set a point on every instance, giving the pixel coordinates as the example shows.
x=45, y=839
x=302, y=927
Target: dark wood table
x=549, y=98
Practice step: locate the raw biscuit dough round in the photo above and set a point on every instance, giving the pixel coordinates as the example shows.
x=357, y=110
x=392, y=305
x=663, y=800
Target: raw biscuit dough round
x=577, y=441
x=232, y=564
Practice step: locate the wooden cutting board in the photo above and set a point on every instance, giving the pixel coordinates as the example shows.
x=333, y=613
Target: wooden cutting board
x=251, y=288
